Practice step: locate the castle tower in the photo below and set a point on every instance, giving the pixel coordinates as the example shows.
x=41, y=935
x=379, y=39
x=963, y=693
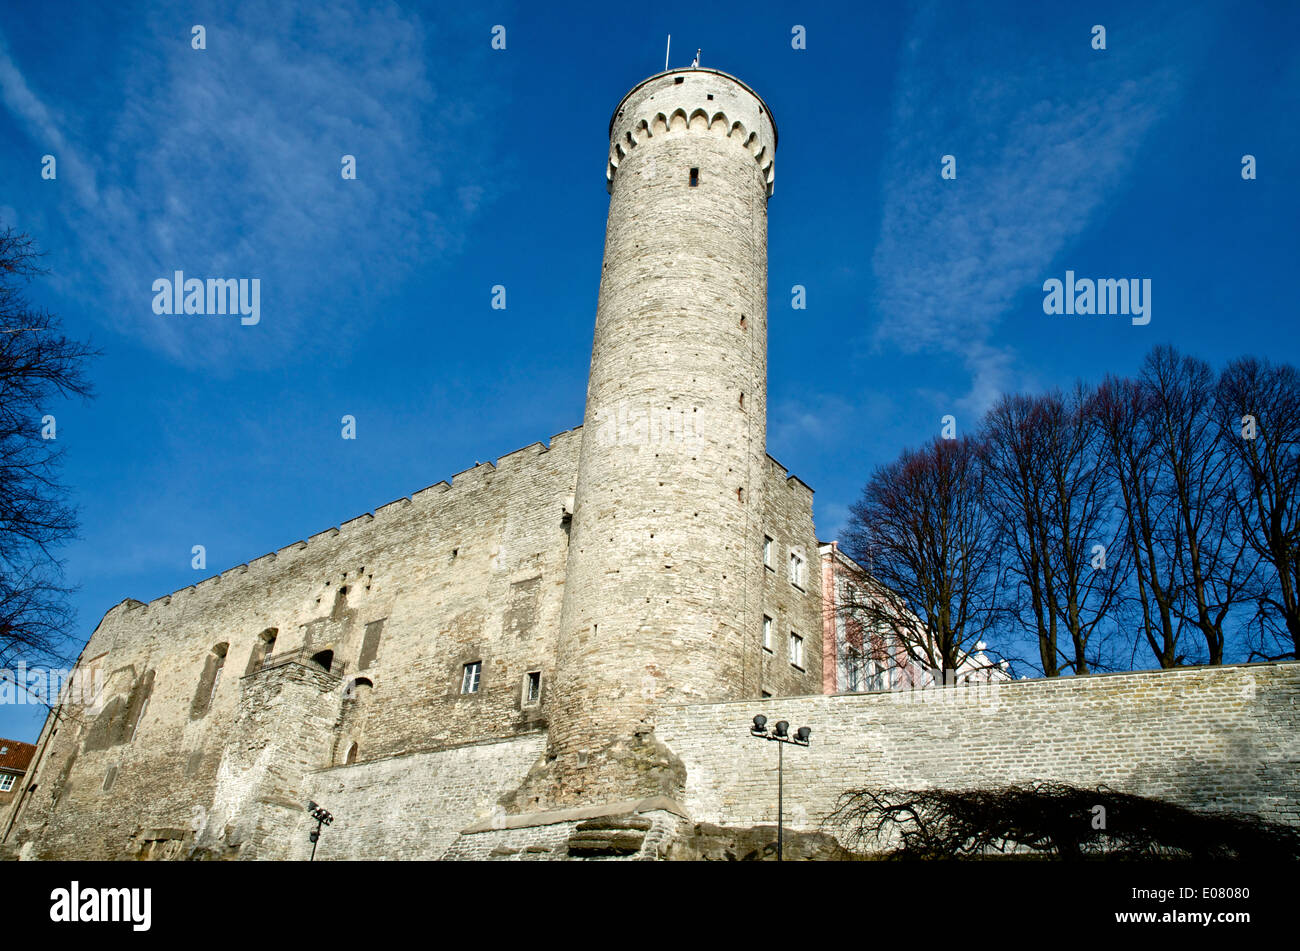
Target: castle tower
x=661, y=601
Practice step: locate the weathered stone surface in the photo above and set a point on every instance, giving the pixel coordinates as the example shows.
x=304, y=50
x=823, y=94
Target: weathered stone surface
x=617, y=822
x=606, y=842
x=623, y=566
x=1204, y=737
x=712, y=843
x=681, y=338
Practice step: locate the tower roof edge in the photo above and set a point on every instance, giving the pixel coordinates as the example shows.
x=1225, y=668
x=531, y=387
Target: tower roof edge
x=697, y=69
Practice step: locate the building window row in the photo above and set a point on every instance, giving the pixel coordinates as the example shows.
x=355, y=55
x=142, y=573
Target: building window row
x=798, y=565
x=794, y=644
x=471, y=681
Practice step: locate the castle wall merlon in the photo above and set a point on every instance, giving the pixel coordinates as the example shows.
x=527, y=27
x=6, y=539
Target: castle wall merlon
x=476, y=476
x=695, y=100
x=527, y=452
x=354, y=523
x=426, y=493
x=392, y=509
x=795, y=480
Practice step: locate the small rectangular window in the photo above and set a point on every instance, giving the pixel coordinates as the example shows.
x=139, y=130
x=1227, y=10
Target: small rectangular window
x=767, y=550
x=469, y=680
x=796, y=569
x=796, y=650
x=767, y=633
x=6, y=782
x=533, y=687
x=695, y=177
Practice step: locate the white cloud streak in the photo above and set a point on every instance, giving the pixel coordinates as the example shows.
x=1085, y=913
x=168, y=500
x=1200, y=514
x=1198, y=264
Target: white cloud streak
x=225, y=163
x=1044, y=135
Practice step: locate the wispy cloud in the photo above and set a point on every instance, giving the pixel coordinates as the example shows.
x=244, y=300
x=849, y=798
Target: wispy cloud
x=1044, y=131
x=225, y=163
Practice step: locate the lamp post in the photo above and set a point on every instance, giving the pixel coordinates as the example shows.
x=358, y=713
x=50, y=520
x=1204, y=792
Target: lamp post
x=781, y=734
x=322, y=818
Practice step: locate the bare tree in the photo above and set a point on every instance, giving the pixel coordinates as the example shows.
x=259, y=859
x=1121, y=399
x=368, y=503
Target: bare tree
x=1259, y=411
x=38, y=366
x=1048, y=490
x=1135, y=468
x=1047, y=819
x=928, y=542
x=1213, y=564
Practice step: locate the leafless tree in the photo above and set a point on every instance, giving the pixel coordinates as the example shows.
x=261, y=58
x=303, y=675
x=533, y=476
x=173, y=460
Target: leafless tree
x=1054, y=506
x=1214, y=566
x=1259, y=411
x=1162, y=437
x=1048, y=819
x=929, y=544
x=38, y=367
x=1137, y=470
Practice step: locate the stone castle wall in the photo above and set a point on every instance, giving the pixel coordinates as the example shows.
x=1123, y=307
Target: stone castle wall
x=413, y=806
x=148, y=774
x=1205, y=737
x=471, y=571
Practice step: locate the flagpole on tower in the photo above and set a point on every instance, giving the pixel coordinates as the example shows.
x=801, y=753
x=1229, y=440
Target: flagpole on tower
x=670, y=46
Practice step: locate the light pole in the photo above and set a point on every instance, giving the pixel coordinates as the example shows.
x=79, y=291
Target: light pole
x=781, y=734
x=322, y=818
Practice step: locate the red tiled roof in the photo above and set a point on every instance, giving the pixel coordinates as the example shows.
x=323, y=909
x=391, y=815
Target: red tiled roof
x=16, y=755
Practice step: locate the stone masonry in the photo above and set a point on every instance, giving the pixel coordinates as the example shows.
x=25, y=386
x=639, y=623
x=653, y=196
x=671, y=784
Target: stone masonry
x=557, y=655
x=1204, y=737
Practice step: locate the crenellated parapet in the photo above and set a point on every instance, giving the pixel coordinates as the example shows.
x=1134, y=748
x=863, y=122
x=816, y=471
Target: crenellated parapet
x=693, y=101
x=268, y=567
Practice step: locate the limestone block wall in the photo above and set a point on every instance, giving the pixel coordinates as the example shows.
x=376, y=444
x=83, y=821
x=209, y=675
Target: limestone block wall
x=471, y=571
x=549, y=842
x=413, y=806
x=795, y=608
x=1206, y=737
x=662, y=599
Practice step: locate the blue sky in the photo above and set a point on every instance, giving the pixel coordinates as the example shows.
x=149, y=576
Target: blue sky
x=479, y=167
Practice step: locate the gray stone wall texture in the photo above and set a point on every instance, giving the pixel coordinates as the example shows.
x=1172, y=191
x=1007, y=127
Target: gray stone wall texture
x=664, y=591
x=414, y=806
x=1206, y=737
x=623, y=564
x=467, y=572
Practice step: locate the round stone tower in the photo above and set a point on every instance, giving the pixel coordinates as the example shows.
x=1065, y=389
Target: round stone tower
x=661, y=600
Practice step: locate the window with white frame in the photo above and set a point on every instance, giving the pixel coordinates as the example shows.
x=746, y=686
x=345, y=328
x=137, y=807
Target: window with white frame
x=767, y=550
x=796, y=569
x=533, y=687
x=767, y=633
x=469, y=679
x=6, y=782
x=796, y=650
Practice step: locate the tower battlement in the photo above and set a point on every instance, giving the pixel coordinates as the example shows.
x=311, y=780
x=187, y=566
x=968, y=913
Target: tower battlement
x=695, y=100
